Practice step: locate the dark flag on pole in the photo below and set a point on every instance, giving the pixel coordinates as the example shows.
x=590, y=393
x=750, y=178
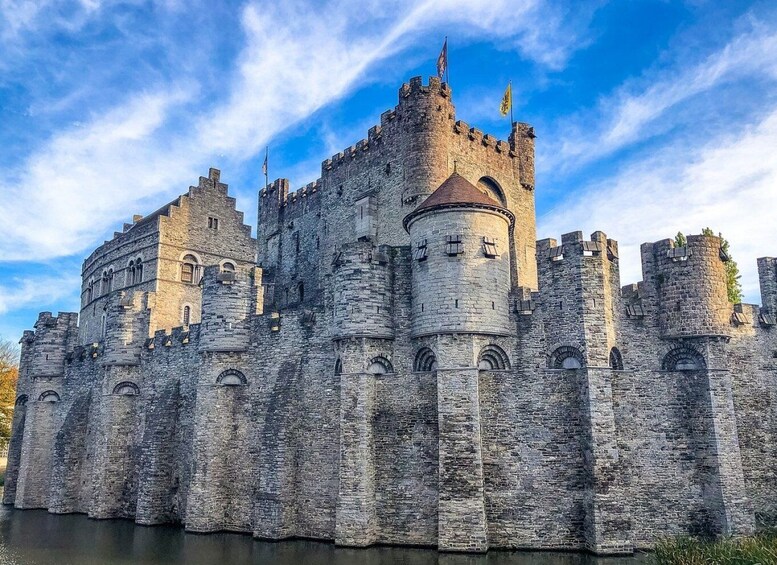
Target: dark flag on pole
x=264, y=167
x=442, y=60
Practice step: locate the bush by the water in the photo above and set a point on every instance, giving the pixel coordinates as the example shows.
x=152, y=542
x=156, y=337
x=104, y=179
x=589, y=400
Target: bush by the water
x=760, y=548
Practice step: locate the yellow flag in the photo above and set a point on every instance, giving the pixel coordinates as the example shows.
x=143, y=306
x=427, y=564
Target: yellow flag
x=507, y=100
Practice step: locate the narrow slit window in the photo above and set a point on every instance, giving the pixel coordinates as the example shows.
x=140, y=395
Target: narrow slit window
x=213, y=223
x=489, y=247
x=454, y=246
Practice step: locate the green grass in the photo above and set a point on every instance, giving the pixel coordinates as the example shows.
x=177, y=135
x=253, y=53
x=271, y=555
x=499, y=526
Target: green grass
x=759, y=548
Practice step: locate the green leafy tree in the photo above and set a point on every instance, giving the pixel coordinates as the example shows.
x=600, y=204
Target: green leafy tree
x=679, y=240
x=9, y=373
x=733, y=283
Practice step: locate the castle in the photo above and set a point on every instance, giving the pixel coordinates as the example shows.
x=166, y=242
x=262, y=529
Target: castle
x=396, y=359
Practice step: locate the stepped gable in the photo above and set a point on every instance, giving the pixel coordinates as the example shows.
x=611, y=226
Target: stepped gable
x=455, y=191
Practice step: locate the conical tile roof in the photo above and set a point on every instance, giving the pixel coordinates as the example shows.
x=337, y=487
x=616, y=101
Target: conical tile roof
x=457, y=190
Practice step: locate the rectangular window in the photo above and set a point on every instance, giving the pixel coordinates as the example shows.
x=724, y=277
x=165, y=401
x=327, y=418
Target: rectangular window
x=420, y=253
x=454, y=246
x=489, y=247
x=213, y=223
x=187, y=273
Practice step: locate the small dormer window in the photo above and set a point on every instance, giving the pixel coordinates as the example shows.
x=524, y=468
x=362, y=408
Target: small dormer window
x=420, y=252
x=489, y=247
x=213, y=223
x=454, y=246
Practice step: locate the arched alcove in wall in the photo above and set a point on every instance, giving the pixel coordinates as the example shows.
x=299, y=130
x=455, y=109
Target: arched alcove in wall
x=566, y=357
x=492, y=189
x=683, y=359
x=425, y=360
x=126, y=388
x=231, y=377
x=49, y=396
x=379, y=366
x=616, y=359
x=493, y=358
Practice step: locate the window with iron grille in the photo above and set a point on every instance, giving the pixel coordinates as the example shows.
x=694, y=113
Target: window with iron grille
x=454, y=246
x=489, y=247
x=420, y=252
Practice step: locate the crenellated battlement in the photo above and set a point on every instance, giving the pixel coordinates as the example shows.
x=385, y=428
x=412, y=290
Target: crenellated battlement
x=573, y=244
x=416, y=87
x=54, y=336
x=413, y=97
x=179, y=336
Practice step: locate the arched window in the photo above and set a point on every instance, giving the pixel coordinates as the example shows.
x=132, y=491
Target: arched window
x=187, y=314
x=138, y=278
x=104, y=284
x=227, y=267
x=88, y=294
x=338, y=367
x=130, y=273
x=616, y=360
x=380, y=366
x=126, y=389
x=492, y=189
x=110, y=280
x=231, y=377
x=21, y=401
x=683, y=359
x=493, y=357
x=48, y=396
x=425, y=360
x=566, y=357
x=301, y=292
x=190, y=269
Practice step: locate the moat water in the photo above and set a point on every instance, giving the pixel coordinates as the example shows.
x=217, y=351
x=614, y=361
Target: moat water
x=35, y=537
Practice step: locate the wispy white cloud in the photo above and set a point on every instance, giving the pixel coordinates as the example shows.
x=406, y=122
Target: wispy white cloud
x=639, y=109
x=727, y=184
x=297, y=58
x=40, y=291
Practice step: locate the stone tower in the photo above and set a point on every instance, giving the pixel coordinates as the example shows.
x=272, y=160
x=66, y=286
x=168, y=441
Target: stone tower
x=460, y=285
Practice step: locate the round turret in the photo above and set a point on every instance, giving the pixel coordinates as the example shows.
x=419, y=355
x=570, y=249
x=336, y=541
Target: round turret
x=425, y=116
x=691, y=284
x=54, y=335
x=459, y=240
x=363, y=292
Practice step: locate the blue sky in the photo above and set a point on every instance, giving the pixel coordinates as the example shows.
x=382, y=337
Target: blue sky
x=652, y=116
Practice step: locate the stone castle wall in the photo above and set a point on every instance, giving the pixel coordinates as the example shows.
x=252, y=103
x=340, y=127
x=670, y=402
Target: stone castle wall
x=332, y=389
